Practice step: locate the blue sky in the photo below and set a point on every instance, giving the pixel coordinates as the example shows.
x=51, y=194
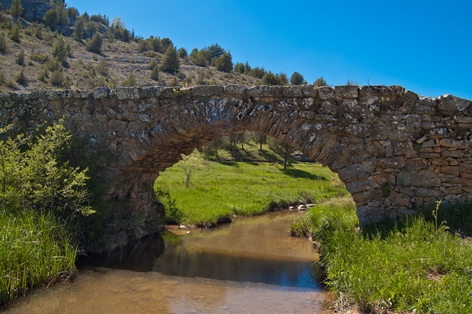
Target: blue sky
x=425, y=46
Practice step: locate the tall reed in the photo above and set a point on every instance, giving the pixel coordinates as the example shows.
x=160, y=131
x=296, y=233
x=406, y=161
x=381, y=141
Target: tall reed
x=34, y=250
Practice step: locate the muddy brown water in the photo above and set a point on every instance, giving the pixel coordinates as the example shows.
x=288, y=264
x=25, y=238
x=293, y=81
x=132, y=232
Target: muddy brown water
x=249, y=266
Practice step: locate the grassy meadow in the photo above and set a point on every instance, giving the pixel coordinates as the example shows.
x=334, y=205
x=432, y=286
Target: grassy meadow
x=219, y=190
x=414, y=266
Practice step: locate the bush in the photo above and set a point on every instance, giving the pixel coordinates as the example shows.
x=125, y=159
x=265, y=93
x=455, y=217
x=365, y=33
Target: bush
x=155, y=73
x=95, y=44
x=224, y=62
x=3, y=43
x=21, y=78
x=39, y=57
x=57, y=78
x=320, y=82
x=15, y=33
x=130, y=81
x=102, y=67
x=20, y=58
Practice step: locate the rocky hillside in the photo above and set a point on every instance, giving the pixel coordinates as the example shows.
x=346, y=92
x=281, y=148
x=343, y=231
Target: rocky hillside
x=31, y=58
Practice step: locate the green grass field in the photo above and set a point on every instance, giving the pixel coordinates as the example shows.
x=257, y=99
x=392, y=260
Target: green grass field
x=416, y=267
x=220, y=190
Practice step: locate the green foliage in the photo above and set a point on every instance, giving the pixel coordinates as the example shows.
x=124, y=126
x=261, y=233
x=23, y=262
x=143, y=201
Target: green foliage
x=100, y=19
x=130, y=81
x=224, y=189
x=320, y=82
x=182, y=52
x=191, y=163
x=224, y=62
x=352, y=83
x=173, y=214
x=15, y=33
x=282, y=149
x=57, y=78
x=297, y=79
x=33, y=175
x=57, y=16
x=200, y=57
x=170, y=62
x=21, y=78
x=416, y=266
x=118, y=31
x=216, y=51
x=3, y=43
x=34, y=250
x=61, y=51
x=51, y=19
x=270, y=78
x=39, y=57
x=20, y=58
x=16, y=9
x=79, y=29
x=102, y=67
x=155, y=73
x=95, y=44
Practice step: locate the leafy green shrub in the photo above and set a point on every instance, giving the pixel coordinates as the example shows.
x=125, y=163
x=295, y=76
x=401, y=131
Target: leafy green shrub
x=61, y=51
x=130, y=81
x=3, y=43
x=297, y=79
x=20, y=58
x=102, y=67
x=15, y=33
x=21, y=78
x=224, y=62
x=155, y=73
x=95, y=44
x=320, y=82
x=57, y=78
x=39, y=57
x=35, y=176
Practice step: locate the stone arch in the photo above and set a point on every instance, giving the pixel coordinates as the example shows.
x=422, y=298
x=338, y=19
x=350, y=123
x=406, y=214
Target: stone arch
x=394, y=150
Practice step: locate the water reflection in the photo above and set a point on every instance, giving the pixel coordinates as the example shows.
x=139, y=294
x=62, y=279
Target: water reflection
x=251, y=266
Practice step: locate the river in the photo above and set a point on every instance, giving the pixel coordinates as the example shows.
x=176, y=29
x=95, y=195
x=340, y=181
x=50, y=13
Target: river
x=249, y=266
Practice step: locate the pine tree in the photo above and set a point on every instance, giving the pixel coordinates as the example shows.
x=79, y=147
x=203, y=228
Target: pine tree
x=297, y=79
x=155, y=73
x=16, y=9
x=224, y=62
x=170, y=62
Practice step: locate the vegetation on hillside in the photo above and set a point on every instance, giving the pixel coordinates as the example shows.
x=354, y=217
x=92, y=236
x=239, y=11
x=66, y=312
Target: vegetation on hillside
x=66, y=48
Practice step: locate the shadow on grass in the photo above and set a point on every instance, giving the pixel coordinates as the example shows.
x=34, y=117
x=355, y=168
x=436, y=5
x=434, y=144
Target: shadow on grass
x=297, y=173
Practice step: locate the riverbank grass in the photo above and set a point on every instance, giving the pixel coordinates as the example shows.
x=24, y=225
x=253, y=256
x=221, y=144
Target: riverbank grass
x=220, y=190
x=34, y=250
x=418, y=266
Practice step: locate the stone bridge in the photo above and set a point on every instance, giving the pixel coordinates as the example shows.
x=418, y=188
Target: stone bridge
x=395, y=151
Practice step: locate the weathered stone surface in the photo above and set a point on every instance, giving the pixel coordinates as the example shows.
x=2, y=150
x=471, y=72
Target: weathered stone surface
x=393, y=149
x=325, y=92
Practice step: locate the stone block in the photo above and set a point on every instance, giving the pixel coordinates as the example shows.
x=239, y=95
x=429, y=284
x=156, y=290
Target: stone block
x=207, y=91
x=355, y=171
x=101, y=92
x=452, y=103
x=235, y=89
x=265, y=91
x=347, y=91
x=420, y=179
x=325, y=92
x=292, y=91
x=391, y=163
x=451, y=143
x=123, y=93
x=310, y=90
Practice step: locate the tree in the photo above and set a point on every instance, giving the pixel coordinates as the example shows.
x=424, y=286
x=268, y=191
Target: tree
x=182, y=53
x=320, y=82
x=15, y=33
x=217, y=144
x=130, y=81
x=282, y=149
x=260, y=139
x=20, y=58
x=3, y=43
x=270, y=78
x=297, y=79
x=190, y=163
x=21, y=78
x=170, y=62
x=95, y=44
x=16, y=9
x=51, y=19
x=155, y=73
x=224, y=62
x=79, y=29
x=215, y=51
x=61, y=51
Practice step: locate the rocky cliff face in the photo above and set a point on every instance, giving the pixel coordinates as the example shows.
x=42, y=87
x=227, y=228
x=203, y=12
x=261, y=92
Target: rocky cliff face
x=34, y=10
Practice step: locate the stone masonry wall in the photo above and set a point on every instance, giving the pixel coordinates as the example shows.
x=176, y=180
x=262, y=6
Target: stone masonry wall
x=395, y=151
